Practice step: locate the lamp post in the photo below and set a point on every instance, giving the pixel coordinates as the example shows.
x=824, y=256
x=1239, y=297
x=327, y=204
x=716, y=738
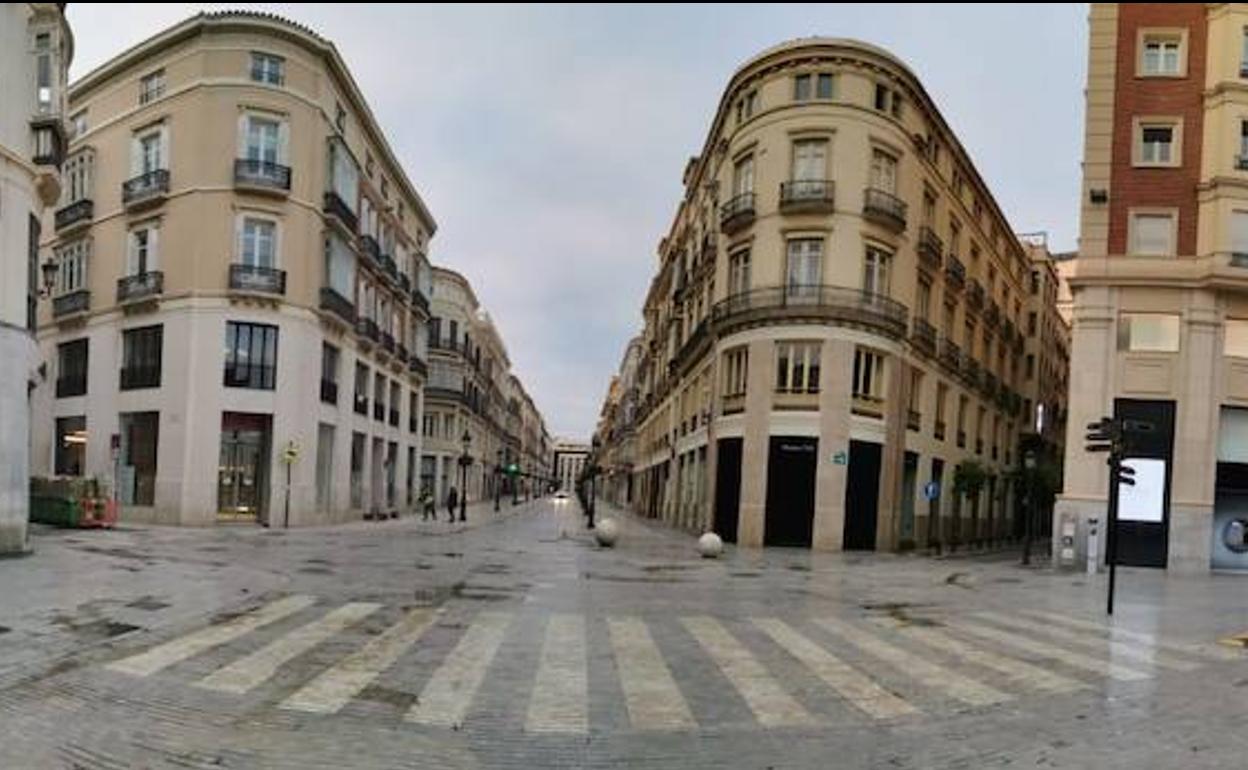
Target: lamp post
x=498, y=479
x=596, y=443
x=50, y=268
x=515, y=484
x=464, y=461
x=1029, y=467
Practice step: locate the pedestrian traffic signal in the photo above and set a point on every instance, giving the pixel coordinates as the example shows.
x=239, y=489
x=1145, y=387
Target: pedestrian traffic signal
x=1103, y=435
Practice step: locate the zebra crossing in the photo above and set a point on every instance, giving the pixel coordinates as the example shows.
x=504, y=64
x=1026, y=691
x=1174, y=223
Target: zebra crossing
x=877, y=667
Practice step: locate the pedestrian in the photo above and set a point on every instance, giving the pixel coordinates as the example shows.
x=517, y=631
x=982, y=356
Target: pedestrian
x=427, y=511
x=452, y=500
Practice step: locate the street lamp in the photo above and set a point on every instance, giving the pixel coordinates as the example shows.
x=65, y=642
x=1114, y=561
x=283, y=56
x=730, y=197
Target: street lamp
x=515, y=483
x=50, y=268
x=1029, y=476
x=498, y=479
x=464, y=461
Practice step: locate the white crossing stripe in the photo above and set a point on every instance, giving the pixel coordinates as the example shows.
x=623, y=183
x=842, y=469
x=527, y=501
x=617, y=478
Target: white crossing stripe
x=653, y=699
x=1117, y=650
x=929, y=674
x=343, y=681
x=851, y=684
x=256, y=668
x=1053, y=652
x=772, y=706
x=177, y=650
x=1024, y=674
x=1211, y=651
x=560, y=698
x=445, y=700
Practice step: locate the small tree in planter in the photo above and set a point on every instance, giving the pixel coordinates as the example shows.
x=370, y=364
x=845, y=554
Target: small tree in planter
x=969, y=478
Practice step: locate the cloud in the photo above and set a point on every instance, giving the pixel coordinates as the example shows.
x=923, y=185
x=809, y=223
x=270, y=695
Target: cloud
x=549, y=140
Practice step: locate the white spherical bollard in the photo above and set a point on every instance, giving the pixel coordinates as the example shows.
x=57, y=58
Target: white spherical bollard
x=710, y=546
x=605, y=532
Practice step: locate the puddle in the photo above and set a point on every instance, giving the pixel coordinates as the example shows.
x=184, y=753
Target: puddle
x=5, y=629
x=453, y=555
x=493, y=569
x=745, y=574
x=798, y=567
x=900, y=612
x=667, y=567
x=315, y=571
x=632, y=578
x=388, y=696
x=148, y=603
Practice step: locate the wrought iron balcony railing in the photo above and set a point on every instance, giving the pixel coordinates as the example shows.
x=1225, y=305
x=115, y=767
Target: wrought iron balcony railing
x=78, y=212
x=884, y=208
x=737, y=212
x=132, y=288
x=143, y=189
x=262, y=174
x=807, y=195
x=837, y=303
x=263, y=280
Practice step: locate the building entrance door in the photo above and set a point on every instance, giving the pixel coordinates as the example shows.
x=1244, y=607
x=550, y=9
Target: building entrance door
x=862, y=495
x=242, y=478
x=790, y=517
x=727, y=488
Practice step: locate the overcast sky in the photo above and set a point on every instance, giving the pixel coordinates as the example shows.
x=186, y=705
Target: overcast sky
x=549, y=141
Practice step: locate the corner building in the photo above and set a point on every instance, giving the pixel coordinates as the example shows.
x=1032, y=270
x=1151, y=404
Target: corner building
x=1160, y=286
x=835, y=321
x=243, y=272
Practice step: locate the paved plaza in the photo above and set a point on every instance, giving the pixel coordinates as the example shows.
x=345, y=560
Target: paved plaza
x=514, y=641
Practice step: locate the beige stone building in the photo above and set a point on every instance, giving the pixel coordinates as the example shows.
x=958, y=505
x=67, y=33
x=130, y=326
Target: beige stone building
x=243, y=285
x=837, y=321
x=1160, y=288
x=473, y=395
x=36, y=47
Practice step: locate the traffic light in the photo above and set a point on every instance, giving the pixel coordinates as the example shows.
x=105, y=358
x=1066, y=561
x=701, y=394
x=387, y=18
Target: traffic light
x=1103, y=435
x=1125, y=475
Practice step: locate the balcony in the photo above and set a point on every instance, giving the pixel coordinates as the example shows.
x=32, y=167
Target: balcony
x=737, y=213
x=955, y=272
x=938, y=430
x=329, y=392
x=387, y=342
x=405, y=284
x=930, y=248
x=72, y=303
x=420, y=300
x=144, y=190
x=367, y=328
x=992, y=316
x=371, y=249
x=50, y=140
x=77, y=213
x=836, y=304
x=337, y=304
x=914, y=420
x=400, y=352
x=923, y=334
x=361, y=404
x=814, y=196
x=394, y=418
x=261, y=280
x=141, y=287
x=1241, y=162
x=262, y=176
x=884, y=208
x=379, y=411
x=951, y=354
x=337, y=207
x=975, y=294
x=390, y=267
x=970, y=368
x=418, y=367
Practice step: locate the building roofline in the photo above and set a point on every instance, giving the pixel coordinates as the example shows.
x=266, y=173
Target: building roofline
x=271, y=24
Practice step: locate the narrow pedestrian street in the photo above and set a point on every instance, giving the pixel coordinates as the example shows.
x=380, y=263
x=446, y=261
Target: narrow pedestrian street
x=515, y=641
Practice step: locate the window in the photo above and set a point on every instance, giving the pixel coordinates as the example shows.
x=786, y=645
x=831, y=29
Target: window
x=805, y=262
x=78, y=124
x=139, y=441
x=344, y=175
x=143, y=251
x=396, y=394
x=823, y=88
x=942, y=395
x=1161, y=55
x=340, y=117
x=1148, y=332
x=71, y=368
x=736, y=370
x=267, y=68
x=72, y=257
x=357, y=470
x=250, y=355
x=339, y=266
x=923, y=299
x=1239, y=234
x=1235, y=340
x=329, y=373
x=883, y=171
x=963, y=403
x=801, y=88
x=929, y=208
x=361, y=389
x=881, y=97
x=1030, y=371
x=1156, y=144
x=875, y=273
x=797, y=367
x=738, y=272
x=743, y=176
x=324, y=466
x=1035, y=282
x=955, y=236
x=263, y=137
x=810, y=161
x=916, y=396
x=149, y=152
x=76, y=176
x=868, y=382
x=947, y=326
x=1152, y=234
x=152, y=86
x=71, y=445
x=43, y=71
x=1243, y=56
x=258, y=247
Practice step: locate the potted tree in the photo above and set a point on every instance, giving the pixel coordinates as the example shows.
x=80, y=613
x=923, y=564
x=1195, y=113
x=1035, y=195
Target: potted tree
x=969, y=477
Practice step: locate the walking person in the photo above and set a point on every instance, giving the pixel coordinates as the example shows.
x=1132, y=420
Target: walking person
x=427, y=511
x=452, y=500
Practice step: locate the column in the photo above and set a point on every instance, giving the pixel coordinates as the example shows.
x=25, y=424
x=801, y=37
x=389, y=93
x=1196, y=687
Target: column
x=835, y=383
x=756, y=444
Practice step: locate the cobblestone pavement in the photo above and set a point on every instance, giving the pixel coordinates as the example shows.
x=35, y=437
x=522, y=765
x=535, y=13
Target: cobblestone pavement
x=513, y=641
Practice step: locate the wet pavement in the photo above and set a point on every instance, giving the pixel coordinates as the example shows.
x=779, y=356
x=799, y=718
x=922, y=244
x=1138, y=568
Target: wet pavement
x=514, y=641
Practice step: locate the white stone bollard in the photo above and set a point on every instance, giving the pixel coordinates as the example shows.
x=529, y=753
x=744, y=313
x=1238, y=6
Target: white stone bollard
x=710, y=546
x=605, y=532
